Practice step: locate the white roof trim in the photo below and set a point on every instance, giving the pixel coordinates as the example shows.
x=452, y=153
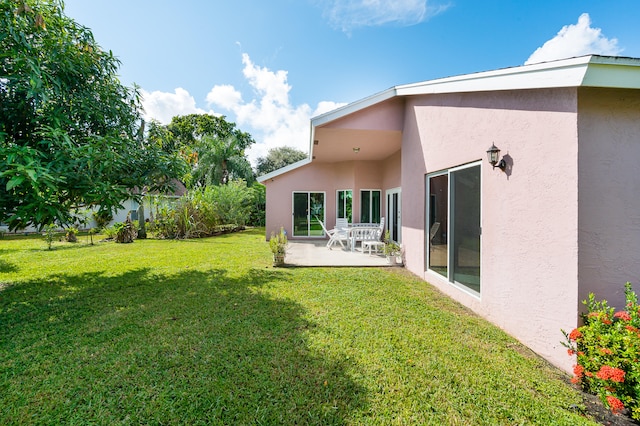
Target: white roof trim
x=353, y=107
x=591, y=70
x=283, y=170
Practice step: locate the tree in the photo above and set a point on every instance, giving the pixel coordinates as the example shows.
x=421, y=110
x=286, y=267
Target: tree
x=220, y=160
x=213, y=146
x=70, y=133
x=278, y=158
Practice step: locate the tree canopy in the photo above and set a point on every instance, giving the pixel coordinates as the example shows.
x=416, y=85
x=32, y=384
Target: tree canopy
x=71, y=134
x=213, y=146
x=278, y=158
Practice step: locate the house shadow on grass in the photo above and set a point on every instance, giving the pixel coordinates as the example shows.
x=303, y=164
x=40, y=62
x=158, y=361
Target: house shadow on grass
x=195, y=347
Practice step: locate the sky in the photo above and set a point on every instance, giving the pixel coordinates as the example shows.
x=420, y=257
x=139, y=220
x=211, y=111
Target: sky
x=270, y=66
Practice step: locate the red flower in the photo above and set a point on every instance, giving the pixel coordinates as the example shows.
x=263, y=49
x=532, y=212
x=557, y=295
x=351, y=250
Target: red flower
x=575, y=334
x=631, y=328
x=593, y=314
x=571, y=352
x=611, y=373
x=615, y=404
x=606, y=321
x=605, y=351
x=623, y=315
x=578, y=370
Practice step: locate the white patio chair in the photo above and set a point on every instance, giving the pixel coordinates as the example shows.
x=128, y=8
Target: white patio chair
x=372, y=240
x=342, y=223
x=363, y=234
x=381, y=229
x=335, y=235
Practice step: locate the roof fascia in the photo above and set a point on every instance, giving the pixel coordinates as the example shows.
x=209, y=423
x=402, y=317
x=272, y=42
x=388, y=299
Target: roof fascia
x=353, y=107
x=283, y=170
x=613, y=72
x=590, y=70
x=564, y=73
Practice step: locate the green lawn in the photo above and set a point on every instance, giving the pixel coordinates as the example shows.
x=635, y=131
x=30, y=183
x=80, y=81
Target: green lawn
x=207, y=332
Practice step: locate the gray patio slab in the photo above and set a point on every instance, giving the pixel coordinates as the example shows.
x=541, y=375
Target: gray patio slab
x=315, y=253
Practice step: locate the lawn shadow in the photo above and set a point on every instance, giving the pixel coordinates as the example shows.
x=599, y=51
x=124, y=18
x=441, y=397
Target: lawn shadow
x=64, y=245
x=6, y=267
x=193, y=347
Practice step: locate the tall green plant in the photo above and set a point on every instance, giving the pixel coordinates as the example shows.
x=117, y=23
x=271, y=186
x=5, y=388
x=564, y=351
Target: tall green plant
x=49, y=234
x=204, y=211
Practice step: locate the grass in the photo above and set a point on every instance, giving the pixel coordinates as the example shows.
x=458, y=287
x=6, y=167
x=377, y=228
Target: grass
x=207, y=332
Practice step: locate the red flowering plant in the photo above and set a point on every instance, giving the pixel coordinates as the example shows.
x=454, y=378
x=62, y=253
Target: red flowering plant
x=607, y=351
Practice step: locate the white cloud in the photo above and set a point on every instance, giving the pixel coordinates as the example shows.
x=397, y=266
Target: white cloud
x=226, y=96
x=350, y=14
x=269, y=117
x=163, y=106
x=576, y=40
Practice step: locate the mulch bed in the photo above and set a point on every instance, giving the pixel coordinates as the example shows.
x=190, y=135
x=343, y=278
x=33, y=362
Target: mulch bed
x=603, y=415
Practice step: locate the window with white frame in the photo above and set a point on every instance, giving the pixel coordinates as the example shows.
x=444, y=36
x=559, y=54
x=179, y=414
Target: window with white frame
x=344, y=204
x=370, y=204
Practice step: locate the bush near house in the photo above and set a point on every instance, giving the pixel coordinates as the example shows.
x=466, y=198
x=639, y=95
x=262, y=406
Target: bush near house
x=607, y=349
x=206, y=211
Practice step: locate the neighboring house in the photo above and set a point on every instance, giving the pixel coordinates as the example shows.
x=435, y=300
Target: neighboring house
x=151, y=202
x=522, y=247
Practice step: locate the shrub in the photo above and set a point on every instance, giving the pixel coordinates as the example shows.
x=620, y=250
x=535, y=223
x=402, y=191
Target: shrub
x=71, y=235
x=204, y=211
x=102, y=218
x=164, y=224
x=49, y=234
x=111, y=231
x=607, y=350
x=125, y=232
x=257, y=216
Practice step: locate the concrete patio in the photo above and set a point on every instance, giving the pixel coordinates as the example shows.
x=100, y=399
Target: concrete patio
x=315, y=253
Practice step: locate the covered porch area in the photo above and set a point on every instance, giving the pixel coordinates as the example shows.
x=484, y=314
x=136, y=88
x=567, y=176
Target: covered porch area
x=353, y=173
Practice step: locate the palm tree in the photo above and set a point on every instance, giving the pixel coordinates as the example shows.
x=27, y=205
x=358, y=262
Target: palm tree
x=221, y=159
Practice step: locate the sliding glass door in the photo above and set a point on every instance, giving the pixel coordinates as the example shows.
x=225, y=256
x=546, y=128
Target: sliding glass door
x=453, y=240
x=394, y=216
x=308, y=209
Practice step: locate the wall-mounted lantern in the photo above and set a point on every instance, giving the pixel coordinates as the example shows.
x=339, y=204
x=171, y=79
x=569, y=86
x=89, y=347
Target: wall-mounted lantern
x=493, y=154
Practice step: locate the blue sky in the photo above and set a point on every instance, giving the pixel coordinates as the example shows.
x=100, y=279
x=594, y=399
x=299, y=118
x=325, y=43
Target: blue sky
x=269, y=66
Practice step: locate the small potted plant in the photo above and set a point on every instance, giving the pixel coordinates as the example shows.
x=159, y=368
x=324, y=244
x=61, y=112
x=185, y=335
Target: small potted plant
x=391, y=249
x=278, y=245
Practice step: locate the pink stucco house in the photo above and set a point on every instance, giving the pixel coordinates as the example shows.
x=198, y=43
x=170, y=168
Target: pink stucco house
x=522, y=246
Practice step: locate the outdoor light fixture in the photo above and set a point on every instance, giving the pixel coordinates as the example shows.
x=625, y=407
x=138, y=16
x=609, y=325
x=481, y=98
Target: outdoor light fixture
x=493, y=154
x=356, y=150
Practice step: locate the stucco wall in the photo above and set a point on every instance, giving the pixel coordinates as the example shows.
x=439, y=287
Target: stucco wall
x=609, y=200
x=529, y=264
